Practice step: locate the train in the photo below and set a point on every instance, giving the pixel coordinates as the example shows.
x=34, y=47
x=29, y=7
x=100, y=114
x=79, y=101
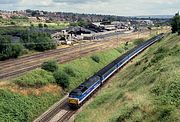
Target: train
x=79, y=95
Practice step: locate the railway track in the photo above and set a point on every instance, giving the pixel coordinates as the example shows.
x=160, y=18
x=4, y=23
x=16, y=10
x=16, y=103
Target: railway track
x=62, y=112
x=16, y=70
x=26, y=59
x=14, y=67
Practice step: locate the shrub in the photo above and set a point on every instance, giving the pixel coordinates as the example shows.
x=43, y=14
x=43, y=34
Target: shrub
x=70, y=71
x=50, y=66
x=161, y=50
x=127, y=112
x=12, y=23
x=95, y=58
x=40, y=25
x=45, y=25
x=165, y=112
x=61, y=78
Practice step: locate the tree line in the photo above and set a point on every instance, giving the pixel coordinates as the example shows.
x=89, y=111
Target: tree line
x=38, y=41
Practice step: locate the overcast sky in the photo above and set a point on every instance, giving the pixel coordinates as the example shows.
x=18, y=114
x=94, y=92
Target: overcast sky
x=113, y=7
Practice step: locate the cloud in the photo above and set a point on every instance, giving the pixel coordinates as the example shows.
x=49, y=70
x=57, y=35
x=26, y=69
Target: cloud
x=114, y=7
x=78, y=1
x=9, y=1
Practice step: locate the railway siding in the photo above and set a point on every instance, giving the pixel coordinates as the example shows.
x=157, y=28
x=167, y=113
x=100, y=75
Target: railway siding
x=13, y=68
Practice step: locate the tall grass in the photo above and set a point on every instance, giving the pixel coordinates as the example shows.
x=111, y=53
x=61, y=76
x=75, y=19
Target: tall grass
x=146, y=90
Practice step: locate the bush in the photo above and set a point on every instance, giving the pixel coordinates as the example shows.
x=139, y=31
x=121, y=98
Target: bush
x=45, y=25
x=165, y=112
x=70, y=71
x=127, y=112
x=61, y=78
x=40, y=25
x=95, y=58
x=12, y=23
x=50, y=66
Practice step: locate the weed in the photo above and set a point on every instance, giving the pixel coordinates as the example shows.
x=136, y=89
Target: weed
x=95, y=58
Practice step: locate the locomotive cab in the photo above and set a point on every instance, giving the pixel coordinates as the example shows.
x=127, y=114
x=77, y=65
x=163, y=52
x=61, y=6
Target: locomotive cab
x=73, y=99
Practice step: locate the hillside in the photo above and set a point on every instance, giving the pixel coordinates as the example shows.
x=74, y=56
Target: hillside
x=147, y=89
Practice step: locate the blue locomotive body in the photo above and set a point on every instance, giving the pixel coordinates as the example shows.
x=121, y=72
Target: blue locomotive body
x=78, y=95
x=82, y=92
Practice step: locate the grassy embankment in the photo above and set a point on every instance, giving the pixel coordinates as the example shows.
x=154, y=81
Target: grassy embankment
x=28, y=96
x=148, y=89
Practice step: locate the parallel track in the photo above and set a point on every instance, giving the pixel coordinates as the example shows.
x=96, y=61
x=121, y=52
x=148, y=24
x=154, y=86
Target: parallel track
x=14, y=67
x=15, y=70
x=26, y=59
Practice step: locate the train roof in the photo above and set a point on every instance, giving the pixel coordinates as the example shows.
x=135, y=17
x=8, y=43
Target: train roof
x=106, y=68
x=85, y=85
x=109, y=66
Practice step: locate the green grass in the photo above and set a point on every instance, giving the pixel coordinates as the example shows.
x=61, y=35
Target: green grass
x=35, y=78
x=18, y=108
x=147, y=89
x=76, y=69
x=27, y=23
x=24, y=108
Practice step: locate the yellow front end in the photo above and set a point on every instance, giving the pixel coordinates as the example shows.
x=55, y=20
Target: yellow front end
x=73, y=101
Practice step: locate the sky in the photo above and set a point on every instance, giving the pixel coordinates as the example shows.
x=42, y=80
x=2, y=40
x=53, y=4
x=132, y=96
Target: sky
x=107, y=7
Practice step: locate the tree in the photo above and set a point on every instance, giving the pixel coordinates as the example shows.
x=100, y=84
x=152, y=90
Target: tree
x=44, y=43
x=38, y=41
x=34, y=13
x=50, y=66
x=17, y=50
x=61, y=78
x=176, y=23
x=9, y=50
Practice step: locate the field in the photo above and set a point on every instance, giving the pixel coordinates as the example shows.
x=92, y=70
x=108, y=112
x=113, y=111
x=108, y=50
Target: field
x=25, y=98
x=147, y=89
x=27, y=23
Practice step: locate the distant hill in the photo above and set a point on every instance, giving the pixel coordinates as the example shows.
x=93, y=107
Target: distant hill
x=157, y=16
